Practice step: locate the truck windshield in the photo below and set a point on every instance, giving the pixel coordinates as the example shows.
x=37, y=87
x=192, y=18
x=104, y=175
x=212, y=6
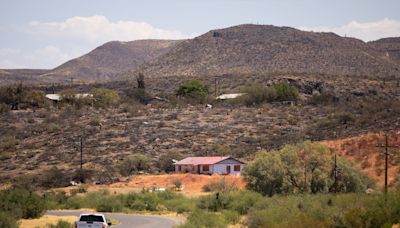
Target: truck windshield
x=91, y=218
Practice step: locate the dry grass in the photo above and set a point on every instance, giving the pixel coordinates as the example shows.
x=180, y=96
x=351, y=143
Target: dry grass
x=44, y=221
x=192, y=183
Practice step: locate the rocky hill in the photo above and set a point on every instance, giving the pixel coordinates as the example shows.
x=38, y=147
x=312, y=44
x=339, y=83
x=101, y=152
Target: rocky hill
x=110, y=59
x=255, y=49
x=20, y=75
x=103, y=63
x=390, y=48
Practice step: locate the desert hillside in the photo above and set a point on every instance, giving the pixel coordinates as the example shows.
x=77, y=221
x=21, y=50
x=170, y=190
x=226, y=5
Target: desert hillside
x=390, y=47
x=103, y=63
x=114, y=57
x=265, y=49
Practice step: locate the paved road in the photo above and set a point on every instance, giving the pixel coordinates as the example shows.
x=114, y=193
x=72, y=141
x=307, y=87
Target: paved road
x=128, y=220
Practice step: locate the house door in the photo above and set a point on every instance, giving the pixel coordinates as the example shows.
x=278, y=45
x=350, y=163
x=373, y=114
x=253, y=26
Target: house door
x=228, y=169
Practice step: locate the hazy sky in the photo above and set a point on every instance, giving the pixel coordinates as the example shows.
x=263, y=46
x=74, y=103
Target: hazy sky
x=46, y=33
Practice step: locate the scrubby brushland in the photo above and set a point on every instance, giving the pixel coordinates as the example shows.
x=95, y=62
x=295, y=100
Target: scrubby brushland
x=247, y=208
x=117, y=123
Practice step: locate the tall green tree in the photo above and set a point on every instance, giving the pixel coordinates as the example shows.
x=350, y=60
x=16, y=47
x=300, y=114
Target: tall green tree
x=303, y=168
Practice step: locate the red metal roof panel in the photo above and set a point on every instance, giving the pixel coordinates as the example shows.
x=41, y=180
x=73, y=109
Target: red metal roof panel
x=200, y=160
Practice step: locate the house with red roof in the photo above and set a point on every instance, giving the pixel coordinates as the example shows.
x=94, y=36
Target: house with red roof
x=210, y=165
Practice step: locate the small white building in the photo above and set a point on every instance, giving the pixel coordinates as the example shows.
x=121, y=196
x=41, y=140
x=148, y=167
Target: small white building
x=210, y=165
x=228, y=96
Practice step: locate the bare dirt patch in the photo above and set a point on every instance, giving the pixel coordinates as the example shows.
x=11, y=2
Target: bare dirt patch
x=192, y=183
x=370, y=159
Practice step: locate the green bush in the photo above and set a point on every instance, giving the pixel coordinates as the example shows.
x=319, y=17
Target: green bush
x=219, y=186
x=7, y=220
x=134, y=164
x=21, y=203
x=109, y=204
x=193, y=89
x=200, y=218
x=105, y=97
x=60, y=224
x=257, y=94
x=231, y=217
x=286, y=92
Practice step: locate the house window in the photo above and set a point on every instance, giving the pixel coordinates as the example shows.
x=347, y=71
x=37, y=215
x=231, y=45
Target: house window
x=179, y=168
x=206, y=168
x=236, y=168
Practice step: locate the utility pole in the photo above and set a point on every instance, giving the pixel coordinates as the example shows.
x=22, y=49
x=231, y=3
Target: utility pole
x=215, y=86
x=81, y=152
x=386, y=153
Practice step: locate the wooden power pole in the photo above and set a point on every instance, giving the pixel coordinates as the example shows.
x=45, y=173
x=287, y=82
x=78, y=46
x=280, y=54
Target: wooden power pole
x=81, y=152
x=386, y=153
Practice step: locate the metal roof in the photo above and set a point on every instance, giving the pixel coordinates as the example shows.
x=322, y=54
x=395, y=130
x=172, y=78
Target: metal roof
x=229, y=96
x=201, y=160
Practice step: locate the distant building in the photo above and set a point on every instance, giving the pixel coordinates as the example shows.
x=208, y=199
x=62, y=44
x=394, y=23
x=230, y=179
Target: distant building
x=58, y=97
x=210, y=165
x=229, y=96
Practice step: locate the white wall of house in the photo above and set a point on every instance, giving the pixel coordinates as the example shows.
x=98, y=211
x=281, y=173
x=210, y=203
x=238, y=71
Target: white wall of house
x=222, y=169
x=219, y=168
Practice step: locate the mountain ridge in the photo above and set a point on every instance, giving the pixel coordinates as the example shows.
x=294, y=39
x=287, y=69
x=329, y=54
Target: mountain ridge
x=255, y=49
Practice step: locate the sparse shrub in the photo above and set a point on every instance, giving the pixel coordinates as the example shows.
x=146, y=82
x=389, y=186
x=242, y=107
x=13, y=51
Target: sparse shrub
x=109, y=204
x=60, y=224
x=134, y=164
x=53, y=178
x=344, y=118
x=325, y=97
x=82, y=175
x=193, y=89
x=94, y=122
x=285, y=92
x=53, y=128
x=4, y=108
x=177, y=183
x=8, y=143
x=105, y=98
x=257, y=94
x=231, y=217
x=200, y=218
x=165, y=162
x=219, y=186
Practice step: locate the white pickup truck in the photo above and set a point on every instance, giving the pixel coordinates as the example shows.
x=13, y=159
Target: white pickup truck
x=92, y=221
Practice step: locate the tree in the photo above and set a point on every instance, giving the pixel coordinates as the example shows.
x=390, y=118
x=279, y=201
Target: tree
x=193, y=89
x=265, y=174
x=304, y=168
